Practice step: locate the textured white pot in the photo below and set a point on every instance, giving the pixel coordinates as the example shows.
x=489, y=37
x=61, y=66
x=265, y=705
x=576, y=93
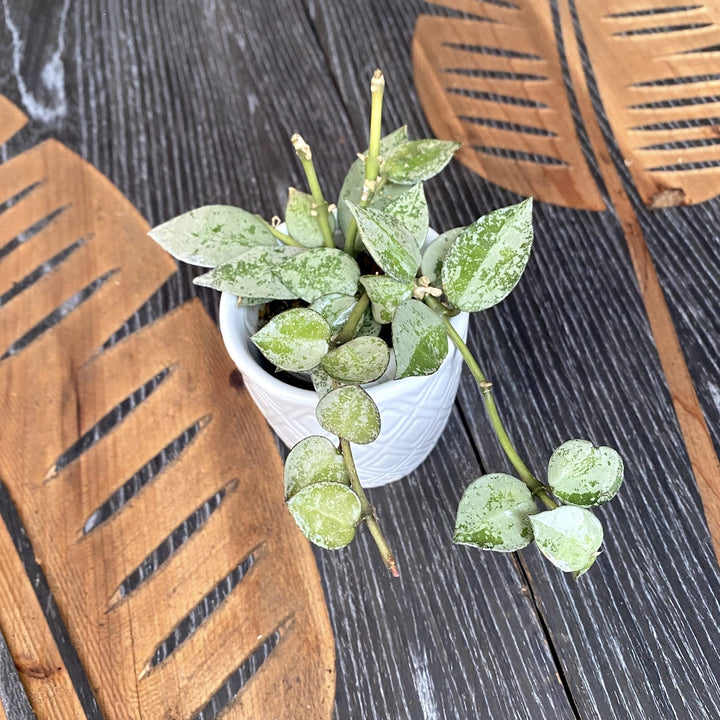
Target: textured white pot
x=413, y=411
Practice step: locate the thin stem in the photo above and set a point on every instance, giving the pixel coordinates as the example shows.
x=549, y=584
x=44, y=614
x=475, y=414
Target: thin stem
x=347, y=331
x=526, y=476
x=368, y=512
x=305, y=154
x=377, y=90
x=281, y=236
x=365, y=200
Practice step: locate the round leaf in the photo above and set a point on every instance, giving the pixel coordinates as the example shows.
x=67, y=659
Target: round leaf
x=582, y=474
x=486, y=260
x=434, y=255
x=252, y=274
x=418, y=160
x=353, y=184
x=326, y=513
x=313, y=460
x=295, y=340
x=386, y=294
x=350, y=413
x=318, y=272
x=361, y=360
x=391, y=245
x=301, y=219
x=569, y=537
x=411, y=210
x=419, y=339
x=494, y=514
x=335, y=308
x=211, y=235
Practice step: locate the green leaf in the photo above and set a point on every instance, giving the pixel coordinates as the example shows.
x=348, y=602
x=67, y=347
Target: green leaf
x=494, y=514
x=368, y=325
x=335, y=308
x=301, y=219
x=487, y=259
x=353, y=184
x=318, y=272
x=322, y=382
x=417, y=160
x=411, y=210
x=386, y=294
x=391, y=245
x=569, y=537
x=350, y=413
x=313, y=460
x=326, y=513
x=360, y=360
x=434, y=255
x=295, y=340
x=252, y=274
x=419, y=339
x=582, y=474
x=211, y=235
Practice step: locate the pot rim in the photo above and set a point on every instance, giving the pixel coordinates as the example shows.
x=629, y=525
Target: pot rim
x=236, y=342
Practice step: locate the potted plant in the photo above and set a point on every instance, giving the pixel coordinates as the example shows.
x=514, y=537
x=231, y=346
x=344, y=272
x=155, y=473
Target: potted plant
x=358, y=306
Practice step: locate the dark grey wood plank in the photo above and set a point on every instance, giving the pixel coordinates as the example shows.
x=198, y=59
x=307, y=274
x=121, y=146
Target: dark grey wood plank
x=571, y=353
x=13, y=698
x=183, y=104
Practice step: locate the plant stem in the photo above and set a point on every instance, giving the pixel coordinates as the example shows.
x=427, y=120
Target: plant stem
x=348, y=329
x=377, y=90
x=372, y=161
x=281, y=236
x=526, y=476
x=368, y=512
x=305, y=154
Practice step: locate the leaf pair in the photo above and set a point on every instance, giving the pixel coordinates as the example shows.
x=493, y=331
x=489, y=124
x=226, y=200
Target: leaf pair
x=498, y=512
x=318, y=493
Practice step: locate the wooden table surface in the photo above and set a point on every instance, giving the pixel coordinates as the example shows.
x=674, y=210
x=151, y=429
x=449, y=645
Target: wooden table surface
x=183, y=103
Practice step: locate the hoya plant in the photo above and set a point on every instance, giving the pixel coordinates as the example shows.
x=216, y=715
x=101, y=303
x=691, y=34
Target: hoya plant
x=357, y=279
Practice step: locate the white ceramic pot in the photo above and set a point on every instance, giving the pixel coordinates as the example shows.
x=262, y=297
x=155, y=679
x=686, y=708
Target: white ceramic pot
x=413, y=411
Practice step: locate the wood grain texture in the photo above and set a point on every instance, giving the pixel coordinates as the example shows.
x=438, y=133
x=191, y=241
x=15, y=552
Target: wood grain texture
x=194, y=115
x=572, y=354
x=494, y=82
x=105, y=451
x=474, y=73
x=12, y=693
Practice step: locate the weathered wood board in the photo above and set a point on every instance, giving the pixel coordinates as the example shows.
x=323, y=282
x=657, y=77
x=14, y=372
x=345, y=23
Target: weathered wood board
x=155, y=571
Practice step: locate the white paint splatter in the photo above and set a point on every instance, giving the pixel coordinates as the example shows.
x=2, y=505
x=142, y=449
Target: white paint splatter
x=52, y=74
x=424, y=685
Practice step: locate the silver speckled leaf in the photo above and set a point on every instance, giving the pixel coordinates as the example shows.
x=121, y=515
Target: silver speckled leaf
x=417, y=160
x=326, y=513
x=582, y=474
x=391, y=245
x=314, y=459
x=411, y=209
x=252, y=274
x=385, y=294
x=318, y=272
x=211, y=235
x=419, y=339
x=486, y=260
x=301, y=219
x=434, y=255
x=350, y=413
x=569, y=537
x=360, y=360
x=493, y=514
x=295, y=340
